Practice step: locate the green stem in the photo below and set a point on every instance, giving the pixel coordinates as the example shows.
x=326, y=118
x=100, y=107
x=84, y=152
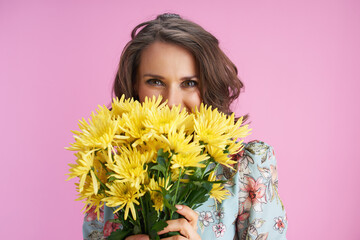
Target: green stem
x=168, y=166
x=176, y=191
x=131, y=220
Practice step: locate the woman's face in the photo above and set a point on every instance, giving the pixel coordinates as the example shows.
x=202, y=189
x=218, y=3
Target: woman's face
x=169, y=70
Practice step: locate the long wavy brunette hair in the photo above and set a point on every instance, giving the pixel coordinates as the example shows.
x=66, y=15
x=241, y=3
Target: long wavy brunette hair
x=219, y=83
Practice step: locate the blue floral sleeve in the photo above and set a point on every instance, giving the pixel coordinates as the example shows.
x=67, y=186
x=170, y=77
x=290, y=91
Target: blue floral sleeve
x=92, y=226
x=254, y=210
x=261, y=211
x=99, y=229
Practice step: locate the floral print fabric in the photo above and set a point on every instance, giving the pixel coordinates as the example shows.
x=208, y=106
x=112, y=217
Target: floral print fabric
x=254, y=211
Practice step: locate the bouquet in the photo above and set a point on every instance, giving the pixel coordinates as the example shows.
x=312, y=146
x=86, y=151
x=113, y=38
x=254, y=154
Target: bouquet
x=141, y=159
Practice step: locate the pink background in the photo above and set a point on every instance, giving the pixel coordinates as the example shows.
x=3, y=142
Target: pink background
x=298, y=59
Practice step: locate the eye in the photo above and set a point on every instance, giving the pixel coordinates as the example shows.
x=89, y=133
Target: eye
x=155, y=82
x=189, y=83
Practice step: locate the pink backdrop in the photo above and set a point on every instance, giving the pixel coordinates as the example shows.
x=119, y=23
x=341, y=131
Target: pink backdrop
x=298, y=59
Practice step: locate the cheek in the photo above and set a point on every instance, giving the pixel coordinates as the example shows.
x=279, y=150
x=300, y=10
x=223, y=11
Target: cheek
x=141, y=94
x=194, y=99
x=144, y=91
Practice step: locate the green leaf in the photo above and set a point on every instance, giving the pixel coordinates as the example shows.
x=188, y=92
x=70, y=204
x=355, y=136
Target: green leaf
x=161, y=161
x=159, y=168
x=199, y=194
x=197, y=174
x=177, y=216
x=152, y=221
x=111, y=179
x=160, y=225
x=207, y=186
x=183, y=191
x=169, y=206
x=161, y=153
x=137, y=229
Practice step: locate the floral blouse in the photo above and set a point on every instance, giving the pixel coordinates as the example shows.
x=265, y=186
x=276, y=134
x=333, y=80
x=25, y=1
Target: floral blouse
x=254, y=211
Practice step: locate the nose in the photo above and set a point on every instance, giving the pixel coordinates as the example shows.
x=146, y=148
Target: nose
x=174, y=97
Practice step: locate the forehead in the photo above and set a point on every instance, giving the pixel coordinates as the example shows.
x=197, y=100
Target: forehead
x=167, y=58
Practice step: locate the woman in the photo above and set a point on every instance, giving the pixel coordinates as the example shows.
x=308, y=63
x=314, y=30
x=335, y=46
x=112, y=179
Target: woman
x=181, y=61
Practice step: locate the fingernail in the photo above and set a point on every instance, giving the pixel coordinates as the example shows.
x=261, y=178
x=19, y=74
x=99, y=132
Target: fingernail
x=179, y=207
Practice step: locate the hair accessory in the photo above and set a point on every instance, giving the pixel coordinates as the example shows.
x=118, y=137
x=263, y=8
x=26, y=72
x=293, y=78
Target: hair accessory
x=166, y=16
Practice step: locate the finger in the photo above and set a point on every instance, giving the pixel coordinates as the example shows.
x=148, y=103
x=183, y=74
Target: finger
x=138, y=237
x=178, y=225
x=189, y=214
x=176, y=237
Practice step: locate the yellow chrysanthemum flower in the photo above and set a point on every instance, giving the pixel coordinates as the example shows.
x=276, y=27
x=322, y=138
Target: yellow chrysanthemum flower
x=184, y=160
x=101, y=158
x=129, y=166
x=178, y=142
x=218, y=192
x=235, y=130
x=219, y=156
x=152, y=147
x=235, y=147
x=175, y=174
x=84, y=166
x=122, y=105
x=210, y=128
x=165, y=119
x=153, y=103
x=123, y=194
x=155, y=192
x=133, y=120
x=90, y=199
x=97, y=134
x=133, y=126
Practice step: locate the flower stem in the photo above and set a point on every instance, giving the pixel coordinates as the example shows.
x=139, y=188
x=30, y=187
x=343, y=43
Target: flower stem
x=176, y=191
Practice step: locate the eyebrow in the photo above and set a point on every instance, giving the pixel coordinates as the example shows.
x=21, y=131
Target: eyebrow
x=161, y=77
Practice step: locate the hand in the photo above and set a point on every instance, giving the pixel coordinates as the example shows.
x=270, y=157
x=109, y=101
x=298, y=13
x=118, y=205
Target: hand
x=186, y=226
x=138, y=237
